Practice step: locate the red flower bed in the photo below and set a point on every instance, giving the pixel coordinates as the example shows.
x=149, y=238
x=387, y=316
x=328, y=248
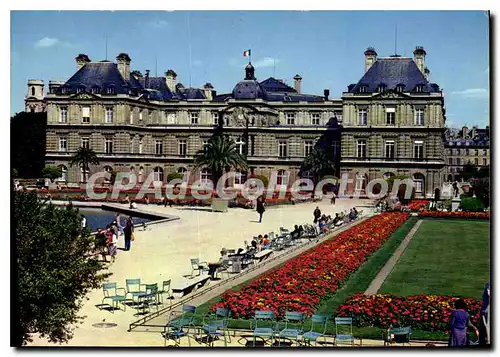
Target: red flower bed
x=456, y=214
x=417, y=205
x=423, y=312
x=315, y=275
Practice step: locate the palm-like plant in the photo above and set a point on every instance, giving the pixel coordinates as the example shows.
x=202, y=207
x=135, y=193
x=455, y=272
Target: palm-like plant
x=318, y=162
x=220, y=154
x=84, y=157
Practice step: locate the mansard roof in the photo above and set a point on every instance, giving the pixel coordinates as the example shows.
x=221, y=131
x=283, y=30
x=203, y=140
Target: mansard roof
x=394, y=71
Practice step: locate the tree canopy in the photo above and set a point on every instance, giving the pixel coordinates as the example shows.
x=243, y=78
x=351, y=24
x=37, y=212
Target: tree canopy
x=319, y=162
x=55, y=269
x=83, y=158
x=51, y=172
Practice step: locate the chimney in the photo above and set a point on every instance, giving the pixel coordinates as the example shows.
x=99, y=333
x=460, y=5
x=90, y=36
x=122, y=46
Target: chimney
x=370, y=58
x=146, y=79
x=123, y=61
x=208, y=89
x=465, y=131
x=171, y=77
x=427, y=73
x=297, y=79
x=419, y=58
x=326, y=92
x=81, y=60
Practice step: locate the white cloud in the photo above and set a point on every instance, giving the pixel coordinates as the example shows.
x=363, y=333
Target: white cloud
x=46, y=42
x=266, y=62
x=158, y=24
x=472, y=93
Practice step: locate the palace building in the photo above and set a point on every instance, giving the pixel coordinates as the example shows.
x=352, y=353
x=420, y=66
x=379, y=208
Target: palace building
x=389, y=123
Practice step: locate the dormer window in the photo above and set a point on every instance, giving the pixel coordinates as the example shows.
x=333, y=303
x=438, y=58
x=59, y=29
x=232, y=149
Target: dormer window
x=110, y=90
x=362, y=89
x=419, y=88
x=96, y=90
x=400, y=88
x=80, y=90
x=65, y=90
x=381, y=88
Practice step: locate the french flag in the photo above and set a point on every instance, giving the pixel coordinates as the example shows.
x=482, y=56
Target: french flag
x=247, y=53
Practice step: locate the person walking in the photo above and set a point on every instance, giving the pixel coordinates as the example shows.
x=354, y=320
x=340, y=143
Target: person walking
x=260, y=208
x=128, y=231
x=334, y=196
x=460, y=321
x=112, y=241
x=484, y=317
x=316, y=214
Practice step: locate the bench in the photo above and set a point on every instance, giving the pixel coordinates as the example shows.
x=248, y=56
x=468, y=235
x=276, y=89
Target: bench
x=263, y=254
x=187, y=285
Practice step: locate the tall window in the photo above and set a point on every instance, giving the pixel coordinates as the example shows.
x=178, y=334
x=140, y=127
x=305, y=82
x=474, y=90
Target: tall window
x=390, y=116
x=64, y=173
x=420, y=88
x=485, y=162
x=215, y=118
x=418, y=181
x=33, y=91
x=140, y=115
x=140, y=146
x=183, y=170
x=308, y=146
x=363, y=117
x=108, y=145
x=361, y=149
x=458, y=161
x=458, y=151
x=194, y=117
x=290, y=118
x=240, y=178
x=476, y=161
x=240, y=143
x=419, y=116
x=477, y=152
x=360, y=182
x=131, y=117
x=158, y=174
x=63, y=144
x=108, y=170
x=282, y=177
x=159, y=147
x=63, y=115
x=86, y=142
x=85, y=115
x=315, y=117
x=450, y=161
x=109, y=114
x=485, y=152
x=467, y=152
x=140, y=176
x=182, y=147
x=206, y=176
x=418, y=150
x=389, y=149
x=282, y=149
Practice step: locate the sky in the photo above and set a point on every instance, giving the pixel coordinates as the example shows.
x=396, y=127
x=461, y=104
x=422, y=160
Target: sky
x=324, y=47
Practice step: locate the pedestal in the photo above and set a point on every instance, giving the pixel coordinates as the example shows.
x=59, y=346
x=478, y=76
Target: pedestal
x=455, y=203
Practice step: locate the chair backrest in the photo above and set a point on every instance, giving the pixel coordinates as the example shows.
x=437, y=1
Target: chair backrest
x=318, y=323
x=343, y=321
x=188, y=309
x=293, y=316
x=109, y=289
x=401, y=330
x=166, y=285
x=264, y=315
x=151, y=288
x=222, y=312
x=343, y=333
x=132, y=282
x=195, y=262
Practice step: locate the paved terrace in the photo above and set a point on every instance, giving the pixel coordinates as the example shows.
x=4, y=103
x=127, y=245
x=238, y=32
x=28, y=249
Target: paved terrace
x=162, y=252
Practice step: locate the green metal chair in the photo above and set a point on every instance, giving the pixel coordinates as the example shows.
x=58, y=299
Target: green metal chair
x=294, y=322
x=165, y=289
x=134, y=288
x=110, y=291
x=318, y=329
x=215, y=325
x=341, y=335
x=180, y=325
x=263, y=317
x=198, y=266
x=149, y=298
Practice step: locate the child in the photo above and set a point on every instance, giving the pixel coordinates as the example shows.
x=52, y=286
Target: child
x=112, y=241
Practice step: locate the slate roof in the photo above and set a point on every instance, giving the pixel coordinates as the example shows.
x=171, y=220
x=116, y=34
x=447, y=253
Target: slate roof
x=273, y=85
x=392, y=71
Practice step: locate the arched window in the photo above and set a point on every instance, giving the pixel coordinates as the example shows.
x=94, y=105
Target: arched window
x=458, y=161
x=450, y=178
x=158, y=174
x=240, y=143
x=206, y=176
x=282, y=178
x=184, y=171
x=360, y=182
x=240, y=178
x=108, y=170
x=33, y=91
x=64, y=173
x=450, y=161
x=140, y=176
x=419, y=182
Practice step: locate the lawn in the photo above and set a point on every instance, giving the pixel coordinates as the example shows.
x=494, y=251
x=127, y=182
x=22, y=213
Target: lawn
x=445, y=257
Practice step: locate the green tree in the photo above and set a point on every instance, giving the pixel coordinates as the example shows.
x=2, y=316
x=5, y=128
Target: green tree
x=319, y=162
x=219, y=155
x=55, y=267
x=402, y=188
x=27, y=147
x=469, y=171
x=83, y=158
x=51, y=172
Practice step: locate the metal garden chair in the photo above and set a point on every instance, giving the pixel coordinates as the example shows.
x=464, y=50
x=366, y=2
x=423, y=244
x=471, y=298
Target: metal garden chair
x=400, y=335
x=318, y=329
x=180, y=325
x=341, y=335
x=263, y=318
x=215, y=326
x=150, y=297
x=201, y=267
x=134, y=288
x=294, y=322
x=110, y=291
x=165, y=289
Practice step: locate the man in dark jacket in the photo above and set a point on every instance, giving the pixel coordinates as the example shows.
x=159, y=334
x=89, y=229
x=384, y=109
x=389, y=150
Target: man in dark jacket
x=317, y=214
